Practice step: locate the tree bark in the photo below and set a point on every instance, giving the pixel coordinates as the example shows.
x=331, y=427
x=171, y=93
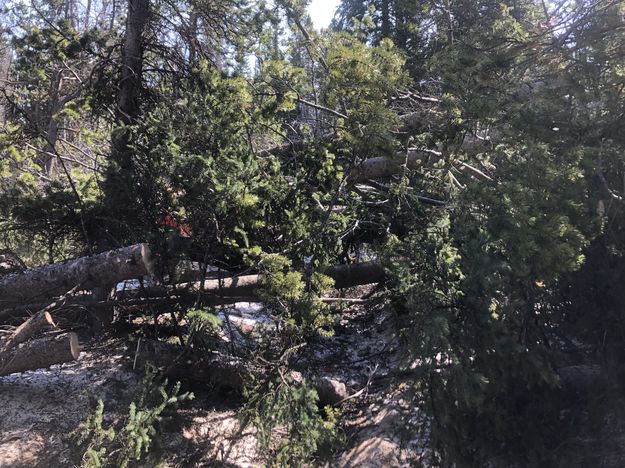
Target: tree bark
x=132, y=62
x=58, y=278
x=355, y=274
x=52, y=128
x=243, y=287
x=5, y=66
x=87, y=14
x=384, y=166
x=38, y=322
x=386, y=19
x=344, y=276
x=119, y=187
x=227, y=372
x=41, y=353
x=219, y=370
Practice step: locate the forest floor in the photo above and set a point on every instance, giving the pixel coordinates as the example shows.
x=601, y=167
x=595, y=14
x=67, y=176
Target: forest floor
x=39, y=410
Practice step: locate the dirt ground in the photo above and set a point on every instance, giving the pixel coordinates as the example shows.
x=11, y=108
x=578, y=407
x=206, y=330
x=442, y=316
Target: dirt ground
x=40, y=409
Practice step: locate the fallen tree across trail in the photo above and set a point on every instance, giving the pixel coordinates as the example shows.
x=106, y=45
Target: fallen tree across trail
x=222, y=291
x=219, y=370
x=22, y=294
x=53, y=280
x=211, y=292
x=344, y=276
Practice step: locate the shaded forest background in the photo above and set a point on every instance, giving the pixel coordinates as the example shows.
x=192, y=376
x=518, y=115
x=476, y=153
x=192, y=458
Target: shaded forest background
x=473, y=148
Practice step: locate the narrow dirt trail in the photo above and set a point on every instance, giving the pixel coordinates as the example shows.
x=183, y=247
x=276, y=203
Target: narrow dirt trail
x=40, y=409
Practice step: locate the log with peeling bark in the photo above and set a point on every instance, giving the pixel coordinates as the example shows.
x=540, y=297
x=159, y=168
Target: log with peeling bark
x=56, y=279
x=40, y=354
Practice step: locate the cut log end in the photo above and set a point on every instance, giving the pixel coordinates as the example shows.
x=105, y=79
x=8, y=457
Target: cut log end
x=89, y=272
x=42, y=320
x=147, y=258
x=74, y=345
x=48, y=319
x=40, y=354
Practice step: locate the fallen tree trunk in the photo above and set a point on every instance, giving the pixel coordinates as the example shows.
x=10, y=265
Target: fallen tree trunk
x=234, y=373
x=344, y=276
x=219, y=370
x=212, y=291
x=386, y=166
x=159, y=304
x=355, y=274
x=38, y=322
x=15, y=315
x=221, y=291
x=56, y=279
x=412, y=123
x=409, y=123
x=40, y=354
x=227, y=372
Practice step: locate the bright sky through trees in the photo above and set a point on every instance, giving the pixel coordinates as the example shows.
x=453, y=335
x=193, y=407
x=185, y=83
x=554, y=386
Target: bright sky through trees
x=322, y=11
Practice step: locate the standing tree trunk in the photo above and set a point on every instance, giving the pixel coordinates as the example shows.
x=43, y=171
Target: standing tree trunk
x=87, y=14
x=119, y=188
x=193, y=33
x=5, y=65
x=132, y=69
x=52, y=130
x=386, y=20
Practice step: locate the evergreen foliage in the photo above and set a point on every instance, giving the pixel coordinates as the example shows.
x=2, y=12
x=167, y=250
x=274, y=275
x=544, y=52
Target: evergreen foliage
x=102, y=447
x=290, y=428
x=503, y=241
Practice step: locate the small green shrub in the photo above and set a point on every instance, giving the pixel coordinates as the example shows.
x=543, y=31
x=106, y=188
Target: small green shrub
x=104, y=446
x=290, y=428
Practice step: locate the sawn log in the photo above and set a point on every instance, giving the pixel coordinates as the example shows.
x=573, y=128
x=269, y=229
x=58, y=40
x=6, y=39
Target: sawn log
x=40, y=354
x=53, y=280
x=212, y=291
x=242, y=288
